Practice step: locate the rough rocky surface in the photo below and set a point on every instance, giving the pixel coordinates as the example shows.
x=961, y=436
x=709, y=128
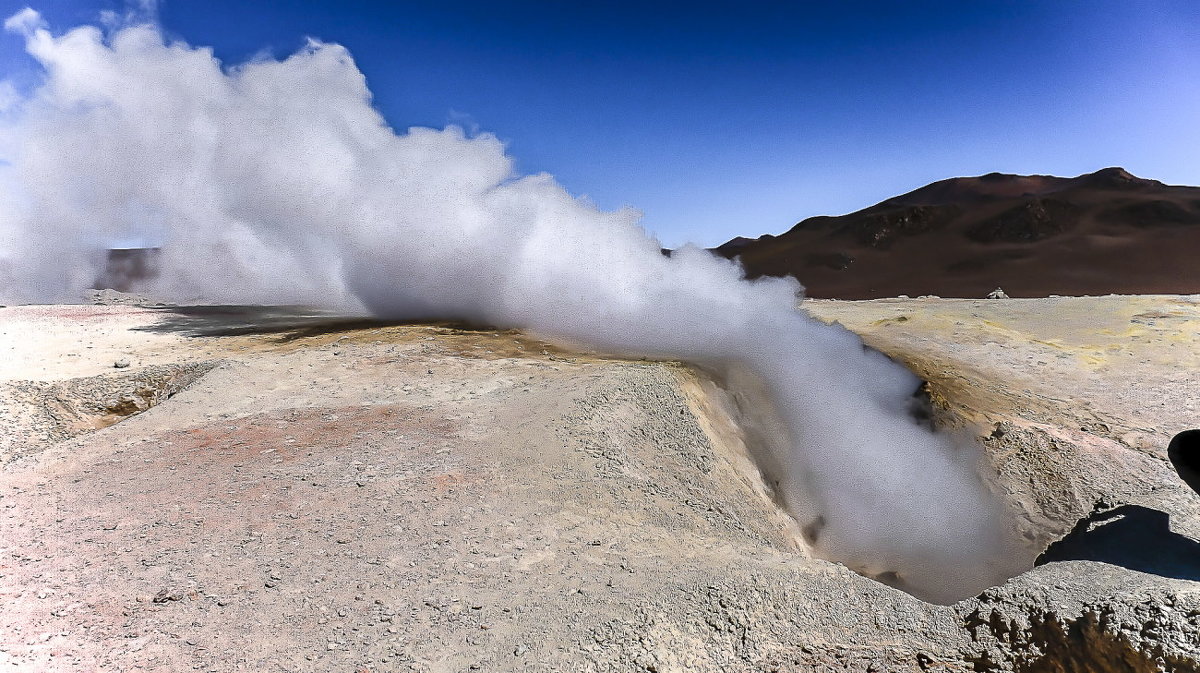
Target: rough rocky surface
x=317, y=494
x=1082, y=396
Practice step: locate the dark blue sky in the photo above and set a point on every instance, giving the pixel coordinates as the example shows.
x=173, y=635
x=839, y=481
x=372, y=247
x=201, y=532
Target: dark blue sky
x=719, y=119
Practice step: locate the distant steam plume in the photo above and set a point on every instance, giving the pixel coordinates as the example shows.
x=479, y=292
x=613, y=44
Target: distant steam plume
x=277, y=181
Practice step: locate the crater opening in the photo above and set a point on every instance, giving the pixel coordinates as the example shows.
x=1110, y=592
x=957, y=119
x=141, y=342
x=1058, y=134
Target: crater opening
x=765, y=435
x=54, y=411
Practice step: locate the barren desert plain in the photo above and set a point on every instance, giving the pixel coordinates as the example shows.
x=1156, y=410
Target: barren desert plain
x=274, y=489
x=399, y=337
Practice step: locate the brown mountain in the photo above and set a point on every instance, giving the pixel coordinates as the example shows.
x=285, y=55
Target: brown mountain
x=1033, y=235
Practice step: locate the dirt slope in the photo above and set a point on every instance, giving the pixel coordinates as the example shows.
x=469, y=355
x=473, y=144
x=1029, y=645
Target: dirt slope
x=1033, y=235
x=330, y=496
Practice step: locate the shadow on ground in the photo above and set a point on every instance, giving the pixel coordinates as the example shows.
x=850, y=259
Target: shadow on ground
x=289, y=322
x=1130, y=536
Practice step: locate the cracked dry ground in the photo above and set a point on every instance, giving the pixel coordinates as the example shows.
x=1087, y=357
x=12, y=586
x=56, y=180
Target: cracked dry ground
x=424, y=498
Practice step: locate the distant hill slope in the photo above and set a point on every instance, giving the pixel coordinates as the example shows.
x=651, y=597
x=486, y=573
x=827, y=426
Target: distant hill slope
x=1033, y=235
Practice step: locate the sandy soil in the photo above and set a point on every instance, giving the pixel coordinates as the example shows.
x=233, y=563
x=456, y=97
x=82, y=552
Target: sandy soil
x=1129, y=363
x=317, y=495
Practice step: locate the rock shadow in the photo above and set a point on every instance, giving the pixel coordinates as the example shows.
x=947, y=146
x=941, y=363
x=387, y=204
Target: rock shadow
x=290, y=322
x=1131, y=536
x=233, y=320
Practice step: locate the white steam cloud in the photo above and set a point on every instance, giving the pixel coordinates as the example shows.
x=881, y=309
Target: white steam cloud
x=277, y=181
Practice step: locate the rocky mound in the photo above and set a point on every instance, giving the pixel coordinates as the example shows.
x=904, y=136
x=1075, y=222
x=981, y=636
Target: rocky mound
x=1034, y=235
x=324, y=495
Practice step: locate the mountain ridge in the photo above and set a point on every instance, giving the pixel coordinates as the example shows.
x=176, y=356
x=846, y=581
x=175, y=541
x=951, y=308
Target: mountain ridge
x=1107, y=232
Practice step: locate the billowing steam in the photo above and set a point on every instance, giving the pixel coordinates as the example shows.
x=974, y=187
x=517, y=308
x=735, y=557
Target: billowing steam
x=277, y=181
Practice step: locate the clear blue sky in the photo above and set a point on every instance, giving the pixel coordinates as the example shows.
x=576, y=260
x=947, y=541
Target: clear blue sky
x=741, y=118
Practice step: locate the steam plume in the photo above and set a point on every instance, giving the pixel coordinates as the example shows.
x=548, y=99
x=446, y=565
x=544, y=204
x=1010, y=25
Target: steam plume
x=277, y=181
